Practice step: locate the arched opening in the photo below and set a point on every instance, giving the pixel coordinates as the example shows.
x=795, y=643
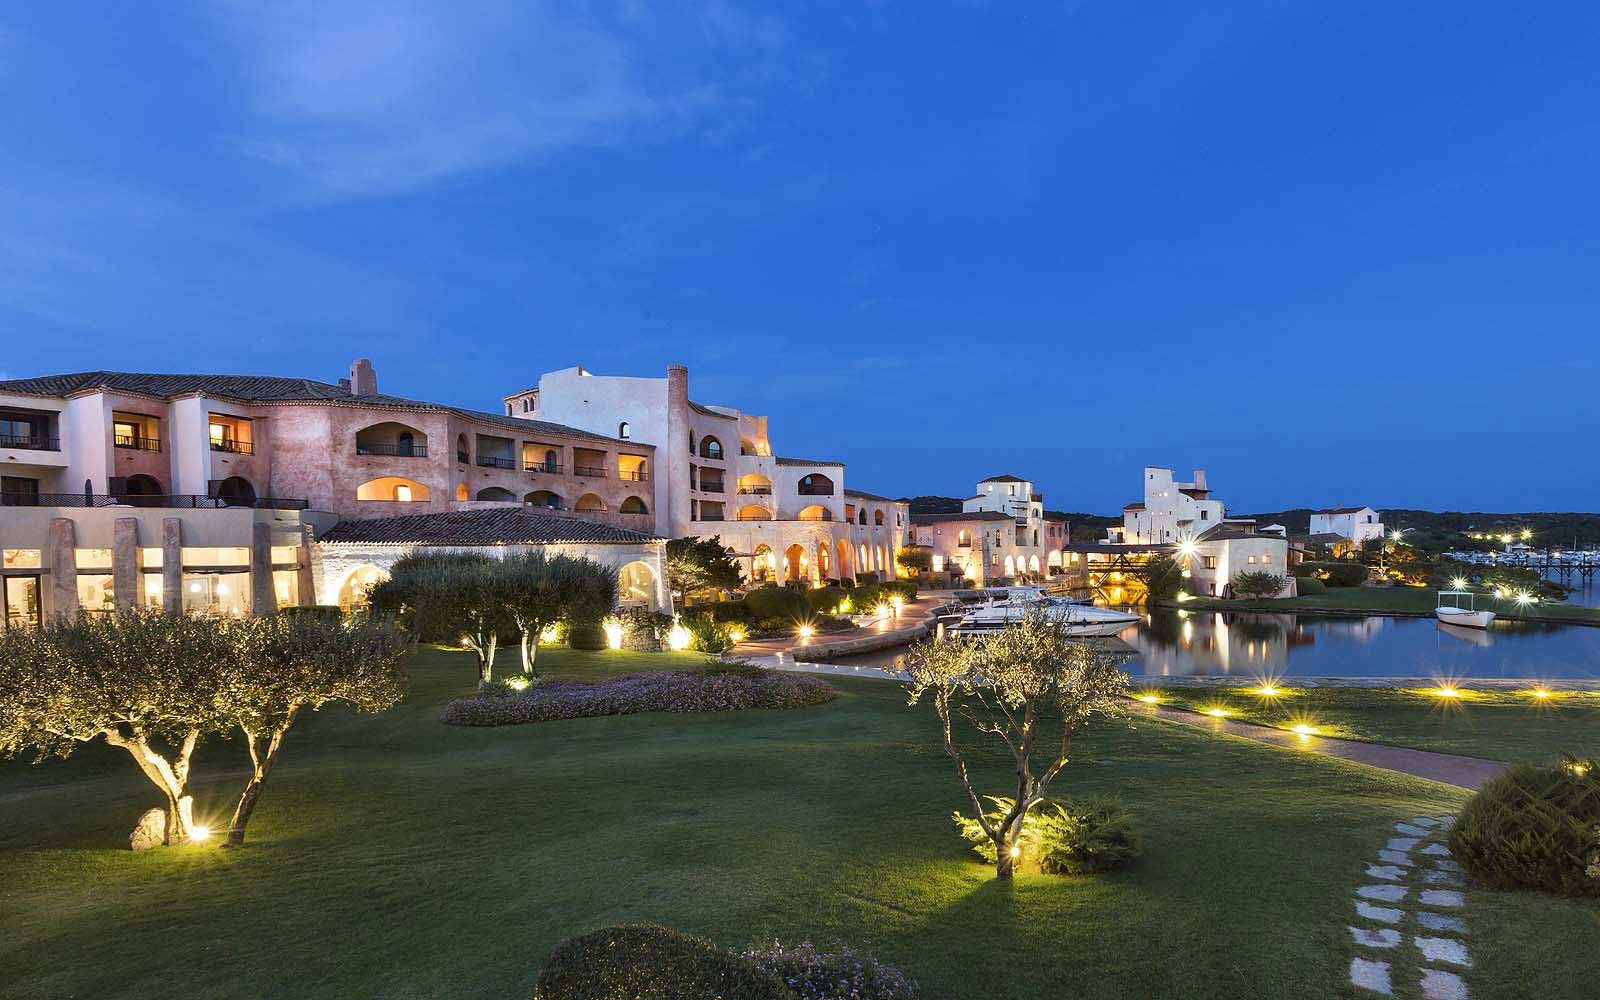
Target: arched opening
x=236, y=491
x=1053, y=560
x=747, y=447
x=815, y=485
x=754, y=512
x=462, y=493
x=861, y=517
x=392, y=438
x=847, y=562
x=877, y=518
x=1033, y=564
x=761, y=564
x=822, y=560
x=882, y=565
x=816, y=512
x=636, y=584
x=395, y=489
x=497, y=493
x=691, y=442
x=543, y=498
x=623, y=430
x=755, y=484
x=794, y=558
x=633, y=505
x=353, y=592
x=591, y=502
x=964, y=537
x=711, y=448
x=463, y=450
x=863, y=558
x=1011, y=566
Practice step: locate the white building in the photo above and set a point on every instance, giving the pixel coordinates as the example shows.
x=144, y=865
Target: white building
x=1170, y=511
x=1357, y=524
x=1001, y=532
x=716, y=474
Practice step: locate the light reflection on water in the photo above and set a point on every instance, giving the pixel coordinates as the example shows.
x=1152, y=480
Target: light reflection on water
x=1170, y=643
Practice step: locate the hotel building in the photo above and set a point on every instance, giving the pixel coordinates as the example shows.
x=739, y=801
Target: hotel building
x=1002, y=532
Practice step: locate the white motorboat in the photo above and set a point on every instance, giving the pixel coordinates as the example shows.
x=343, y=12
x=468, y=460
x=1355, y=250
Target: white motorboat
x=1081, y=620
x=1454, y=613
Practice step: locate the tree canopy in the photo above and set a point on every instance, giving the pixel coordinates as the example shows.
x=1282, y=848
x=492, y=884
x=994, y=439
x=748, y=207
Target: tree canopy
x=701, y=568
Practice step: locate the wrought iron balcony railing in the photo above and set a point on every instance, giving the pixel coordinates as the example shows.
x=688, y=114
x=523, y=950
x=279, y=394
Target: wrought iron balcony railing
x=491, y=462
x=136, y=442
x=233, y=446
x=32, y=442
x=393, y=450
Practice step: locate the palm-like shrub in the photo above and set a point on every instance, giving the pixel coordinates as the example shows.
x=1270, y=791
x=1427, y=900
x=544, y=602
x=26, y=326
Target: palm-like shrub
x=1257, y=584
x=1062, y=838
x=1534, y=827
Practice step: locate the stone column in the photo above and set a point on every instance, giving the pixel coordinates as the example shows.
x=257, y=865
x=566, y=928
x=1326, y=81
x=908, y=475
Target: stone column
x=61, y=557
x=126, y=564
x=172, y=565
x=306, y=581
x=263, y=599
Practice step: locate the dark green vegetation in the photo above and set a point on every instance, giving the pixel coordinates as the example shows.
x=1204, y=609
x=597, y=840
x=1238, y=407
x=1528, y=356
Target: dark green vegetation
x=1535, y=827
x=1496, y=725
x=651, y=963
x=1437, y=531
x=397, y=857
x=1396, y=600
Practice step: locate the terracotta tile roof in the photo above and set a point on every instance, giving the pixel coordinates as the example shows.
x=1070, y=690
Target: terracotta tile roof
x=704, y=410
x=509, y=526
x=967, y=515
x=864, y=495
x=1340, y=510
x=1133, y=506
x=267, y=389
x=803, y=461
x=1003, y=479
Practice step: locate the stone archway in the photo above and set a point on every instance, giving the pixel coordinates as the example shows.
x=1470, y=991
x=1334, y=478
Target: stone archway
x=353, y=591
x=794, y=562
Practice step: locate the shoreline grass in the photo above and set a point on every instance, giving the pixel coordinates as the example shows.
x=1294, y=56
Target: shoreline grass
x=397, y=857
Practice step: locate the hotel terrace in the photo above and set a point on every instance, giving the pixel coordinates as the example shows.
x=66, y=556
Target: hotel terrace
x=120, y=489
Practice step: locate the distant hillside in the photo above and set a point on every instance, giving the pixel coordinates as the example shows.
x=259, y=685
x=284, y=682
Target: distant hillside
x=1445, y=528
x=933, y=505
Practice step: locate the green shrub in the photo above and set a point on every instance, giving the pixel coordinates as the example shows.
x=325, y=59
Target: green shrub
x=777, y=602
x=832, y=975
x=1309, y=585
x=732, y=611
x=332, y=612
x=1257, y=584
x=824, y=599
x=652, y=963
x=586, y=635
x=706, y=634
x=906, y=589
x=1534, y=827
x=1335, y=574
x=1063, y=838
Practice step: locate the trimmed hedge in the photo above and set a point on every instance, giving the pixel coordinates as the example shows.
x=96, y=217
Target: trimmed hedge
x=1338, y=574
x=1534, y=828
x=777, y=602
x=652, y=963
x=586, y=635
x=1309, y=585
x=719, y=687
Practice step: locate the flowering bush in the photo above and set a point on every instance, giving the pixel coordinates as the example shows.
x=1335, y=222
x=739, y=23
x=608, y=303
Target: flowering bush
x=1062, y=838
x=839, y=975
x=717, y=688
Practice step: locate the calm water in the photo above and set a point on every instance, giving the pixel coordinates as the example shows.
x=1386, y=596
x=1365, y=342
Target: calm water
x=1172, y=643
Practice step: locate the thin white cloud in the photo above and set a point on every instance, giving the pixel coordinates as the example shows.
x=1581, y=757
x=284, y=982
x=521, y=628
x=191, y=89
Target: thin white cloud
x=382, y=97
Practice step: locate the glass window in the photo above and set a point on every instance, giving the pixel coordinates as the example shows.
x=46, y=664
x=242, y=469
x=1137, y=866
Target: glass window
x=286, y=587
x=286, y=555
x=209, y=556
x=152, y=590
x=94, y=558
x=217, y=593
x=94, y=593
x=20, y=597
x=21, y=558
x=154, y=558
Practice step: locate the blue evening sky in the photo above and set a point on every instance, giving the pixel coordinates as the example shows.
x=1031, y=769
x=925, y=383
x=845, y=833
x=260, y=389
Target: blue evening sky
x=1334, y=252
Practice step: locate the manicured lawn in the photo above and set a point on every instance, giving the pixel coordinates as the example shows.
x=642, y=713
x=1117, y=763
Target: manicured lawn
x=1497, y=725
x=396, y=857
x=1415, y=600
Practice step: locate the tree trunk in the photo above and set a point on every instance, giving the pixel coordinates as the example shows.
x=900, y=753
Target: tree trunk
x=172, y=777
x=530, y=650
x=1004, y=864
x=263, y=754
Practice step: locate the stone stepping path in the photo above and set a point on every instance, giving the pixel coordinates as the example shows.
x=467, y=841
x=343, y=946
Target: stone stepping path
x=1410, y=930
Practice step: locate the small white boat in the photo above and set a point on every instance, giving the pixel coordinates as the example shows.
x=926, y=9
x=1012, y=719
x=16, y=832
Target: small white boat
x=1455, y=614
x=1082, y=620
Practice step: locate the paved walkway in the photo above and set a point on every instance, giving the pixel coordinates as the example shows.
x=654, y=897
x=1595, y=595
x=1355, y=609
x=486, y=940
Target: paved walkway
x=914, y=621
x=1464, y=772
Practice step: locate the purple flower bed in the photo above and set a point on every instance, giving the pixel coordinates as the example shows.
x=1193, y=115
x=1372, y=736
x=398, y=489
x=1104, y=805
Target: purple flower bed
x=711, y=690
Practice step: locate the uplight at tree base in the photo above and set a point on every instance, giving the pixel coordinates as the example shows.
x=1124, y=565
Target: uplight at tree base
x=613, y=630
x=678, y=637
x=200, y=834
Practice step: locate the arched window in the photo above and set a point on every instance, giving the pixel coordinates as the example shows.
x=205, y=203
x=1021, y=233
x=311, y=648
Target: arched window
x=623, y=430
x=463, y=452
x=861, y=516
x=497, y=493
x=964, y=537
x=815, y=485
x=877, y=518
x=747, y=447
x=393, y=488
x=691, y=442
x=762, y=563
x=462, y=492
x=142, y=486
x=552, y=460
x=633, y=505
x=794, y=559
x=816, y=512
x=710, y=447
x=636, y=584
x=754, y=512
x=235, y=491
x=543, y=498
x=1011, y=566
x=590, y=502
x=353, y=592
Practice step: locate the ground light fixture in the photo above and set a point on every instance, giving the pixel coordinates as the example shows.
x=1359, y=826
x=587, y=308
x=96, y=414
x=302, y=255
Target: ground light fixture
x=517, y=683
x=1540, y=693
x=200, y=834
x=1149, y=699
x=1459, y=583
x=1577, y=769
x=805, y=632
x=1268, y=690
x=678, y=637
x=613, y=630
x=736, y=633
x=1446, y=691
x=1303, y=729
x=1218, y=713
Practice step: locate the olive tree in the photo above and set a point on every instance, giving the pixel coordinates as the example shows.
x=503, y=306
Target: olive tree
x=299, y=662
x=539, y=590
x=1257, y=584
x=145, y=682
x=448, y=597
x=1031, y=688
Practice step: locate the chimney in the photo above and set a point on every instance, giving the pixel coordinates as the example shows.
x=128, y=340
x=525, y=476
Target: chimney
x=1199, y=479
x=363, y=380
x=677, y=385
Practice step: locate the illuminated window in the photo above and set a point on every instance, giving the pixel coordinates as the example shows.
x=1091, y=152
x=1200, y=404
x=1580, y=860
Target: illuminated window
x=20, y=558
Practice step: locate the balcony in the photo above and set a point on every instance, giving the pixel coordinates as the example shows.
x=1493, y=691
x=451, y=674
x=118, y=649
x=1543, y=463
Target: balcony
x=136, y=443
x=393, y=450
x=815, y=490
x=233, y=446
x=553, y=468
x=755, y=491
x=491, y=462
x=712, y=486
x=182, y=501
x=639, y=476
x=30, y=442
x=589, y=471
